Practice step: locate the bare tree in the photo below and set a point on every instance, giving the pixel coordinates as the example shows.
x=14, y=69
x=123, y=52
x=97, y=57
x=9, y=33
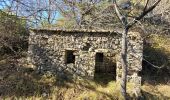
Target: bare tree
x=84, y=14
x=127, y=24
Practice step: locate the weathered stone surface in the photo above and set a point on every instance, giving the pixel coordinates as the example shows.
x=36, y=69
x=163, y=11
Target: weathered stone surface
x=47, y=51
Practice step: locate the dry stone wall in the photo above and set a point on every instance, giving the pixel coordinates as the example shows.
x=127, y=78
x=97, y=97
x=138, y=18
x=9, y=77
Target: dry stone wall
x=47, y=51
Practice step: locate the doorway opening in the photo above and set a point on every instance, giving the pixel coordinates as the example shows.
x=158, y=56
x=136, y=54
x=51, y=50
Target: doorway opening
x=105, y=68
x=69, y=57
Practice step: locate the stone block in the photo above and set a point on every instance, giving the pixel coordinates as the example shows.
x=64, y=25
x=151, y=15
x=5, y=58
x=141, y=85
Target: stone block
x=46, y=50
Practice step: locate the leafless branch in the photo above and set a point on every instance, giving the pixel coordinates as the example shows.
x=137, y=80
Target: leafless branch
x=145, y=12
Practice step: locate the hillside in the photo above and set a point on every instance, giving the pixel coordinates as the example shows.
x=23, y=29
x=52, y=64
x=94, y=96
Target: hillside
x=84, y=45
x=20, y=82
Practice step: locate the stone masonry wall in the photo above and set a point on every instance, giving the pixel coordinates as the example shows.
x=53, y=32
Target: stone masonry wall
x=47, y=51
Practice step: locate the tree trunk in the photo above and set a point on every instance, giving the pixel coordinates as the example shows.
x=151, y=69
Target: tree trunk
x=124, y=63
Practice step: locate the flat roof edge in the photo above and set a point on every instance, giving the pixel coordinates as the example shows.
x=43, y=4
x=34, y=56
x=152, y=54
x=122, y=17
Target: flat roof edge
x=73, y=30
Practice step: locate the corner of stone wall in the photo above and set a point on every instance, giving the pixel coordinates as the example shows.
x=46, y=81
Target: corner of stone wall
x=135, y=80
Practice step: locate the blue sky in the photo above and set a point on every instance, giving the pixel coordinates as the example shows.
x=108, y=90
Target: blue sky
x=24, y=12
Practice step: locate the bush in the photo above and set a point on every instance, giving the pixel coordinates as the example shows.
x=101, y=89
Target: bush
x=13, y=33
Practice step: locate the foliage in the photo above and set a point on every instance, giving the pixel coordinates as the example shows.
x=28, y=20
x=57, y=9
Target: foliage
x=12, y=33
x=18, y=82
x=11, y=24
x=158, y=51
x=88, y=15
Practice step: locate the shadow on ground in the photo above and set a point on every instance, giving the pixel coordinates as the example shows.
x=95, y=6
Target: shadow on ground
x=155, y=74
x=150, y=96
x=156, y=66
x=21, y=82
x=104, y=78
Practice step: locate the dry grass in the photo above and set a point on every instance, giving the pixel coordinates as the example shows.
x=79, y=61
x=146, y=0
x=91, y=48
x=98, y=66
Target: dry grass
x=157, y=80
x=21, y=83
x=161, y=42
x=158, y=51
x=158, y=92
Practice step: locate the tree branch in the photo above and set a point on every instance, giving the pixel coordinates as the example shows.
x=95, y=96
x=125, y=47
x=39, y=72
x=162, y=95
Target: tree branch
x=145, y=12
x=146, y=6
x=118, y=12
x=119, y=15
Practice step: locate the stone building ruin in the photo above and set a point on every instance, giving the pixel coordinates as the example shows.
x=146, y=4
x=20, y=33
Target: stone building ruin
x=84, y=52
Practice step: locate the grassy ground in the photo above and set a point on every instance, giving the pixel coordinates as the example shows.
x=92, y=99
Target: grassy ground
x=21, y=83
x=156, y=77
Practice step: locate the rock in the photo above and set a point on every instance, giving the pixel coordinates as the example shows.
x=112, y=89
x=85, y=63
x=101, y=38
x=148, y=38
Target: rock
x=48, y=51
